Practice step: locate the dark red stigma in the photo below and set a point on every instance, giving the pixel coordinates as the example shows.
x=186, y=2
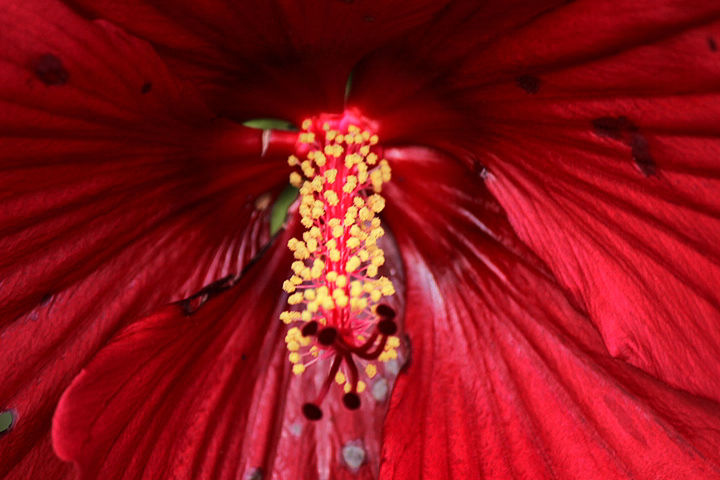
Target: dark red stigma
x=385, y=311
x=312, y=411
x=327, y=336
x=387, y=326
x=310, y=329
x=344, y=352
x=351, y=400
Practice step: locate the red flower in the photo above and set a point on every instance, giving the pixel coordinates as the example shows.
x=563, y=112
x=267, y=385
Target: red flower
x=554, y=203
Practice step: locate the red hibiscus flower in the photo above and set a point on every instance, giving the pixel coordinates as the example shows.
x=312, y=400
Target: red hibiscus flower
x=550, y=229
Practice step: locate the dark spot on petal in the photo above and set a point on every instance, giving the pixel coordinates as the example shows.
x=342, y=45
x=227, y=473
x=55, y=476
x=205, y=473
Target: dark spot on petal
x=7, y=421
x=193, y=303
x=45, y=299
x=146, y=87
x=243, y=357
x=624, y=130
x=369, y=18
x=50, y=70
x=641, y=155
x=712, y=44
x=613, y=127
x=529, y=83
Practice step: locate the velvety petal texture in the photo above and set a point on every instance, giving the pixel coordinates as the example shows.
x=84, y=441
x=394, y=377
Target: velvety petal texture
x=508, y=378
x=120, y=192
x=207, y=392
x=259, y=58
x=594, y=125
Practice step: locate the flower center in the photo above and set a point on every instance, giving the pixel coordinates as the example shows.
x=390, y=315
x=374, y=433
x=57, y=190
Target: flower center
x=335, y=291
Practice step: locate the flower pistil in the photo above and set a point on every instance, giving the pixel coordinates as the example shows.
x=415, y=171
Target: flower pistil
x=335, y=290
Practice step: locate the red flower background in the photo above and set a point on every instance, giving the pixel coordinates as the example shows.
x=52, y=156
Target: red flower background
x=555, y=205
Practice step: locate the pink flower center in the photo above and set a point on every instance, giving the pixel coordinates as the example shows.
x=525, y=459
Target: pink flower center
x=335, y=290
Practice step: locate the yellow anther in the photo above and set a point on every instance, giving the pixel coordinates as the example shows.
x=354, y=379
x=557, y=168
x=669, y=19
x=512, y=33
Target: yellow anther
x=331, y=175
x=371, y=158
x=309, y=295
x=331, y=197
x=393, y=342
x=312, y=245
x=328, y=303
x=372, y=270
x=317, y=183
x=370, y=370
x=340, y=378
x=293, y=160
x=331, y=276
x=341, y=281
x=353, y=242
x=356, y=288
x=306, y=124
x=352, y=264
x=288, y=286
x=306, y=316
x=337, y=231
x=374, y=139
x=295, y=298
x=331, y=244
x=320, y=159
x=358, y=202
x=376, y=203
x=298, y=368
x=350, y=184
x=361, y=386
x=376, y=179
x=365, y=214
x=294, y=346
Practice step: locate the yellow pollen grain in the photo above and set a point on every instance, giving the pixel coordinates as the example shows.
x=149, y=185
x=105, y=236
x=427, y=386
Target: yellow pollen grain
x=298, y=368
x=371, y=370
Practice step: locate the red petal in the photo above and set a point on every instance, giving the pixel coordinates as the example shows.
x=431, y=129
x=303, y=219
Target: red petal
x=508, y=379
x=597, y=121
x=115, y=199
x=288, y=59
x=610, y=173
x=210, y=396
x=172, y=392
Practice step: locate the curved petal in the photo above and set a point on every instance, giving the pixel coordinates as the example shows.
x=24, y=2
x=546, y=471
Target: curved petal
x=509, y=379
x=119, y=193
x=597, y=124
x=615, y=185
x=211, y=395
x=282, y=58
